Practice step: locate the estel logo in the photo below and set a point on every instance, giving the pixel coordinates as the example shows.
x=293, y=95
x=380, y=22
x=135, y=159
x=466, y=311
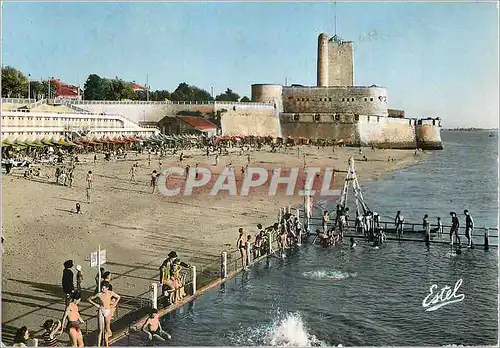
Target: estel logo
x=310, y=181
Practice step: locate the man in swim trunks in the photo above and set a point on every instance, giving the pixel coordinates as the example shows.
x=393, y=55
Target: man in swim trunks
x=105, y=297
x=469, y=227
x=241, y=246
x=74, y=320
x=455, y=226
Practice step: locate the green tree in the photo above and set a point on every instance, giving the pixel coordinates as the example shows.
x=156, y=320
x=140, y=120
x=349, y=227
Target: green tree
x=94, y=88
x=14, y=83
x=117, y=89
x=228, y=95
x=159, y=95
x=245, y=99
x=185, y=92
x=45, y=89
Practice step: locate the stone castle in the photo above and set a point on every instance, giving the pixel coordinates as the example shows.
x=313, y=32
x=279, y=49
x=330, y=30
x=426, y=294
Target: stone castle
x=336, y=109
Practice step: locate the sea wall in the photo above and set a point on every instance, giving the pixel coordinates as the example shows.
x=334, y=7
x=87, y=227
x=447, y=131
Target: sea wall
x=356, y=130
x=385, y=132
x=428, y=134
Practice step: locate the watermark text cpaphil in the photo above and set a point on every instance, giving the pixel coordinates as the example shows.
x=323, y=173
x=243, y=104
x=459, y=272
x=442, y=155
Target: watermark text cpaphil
x=309, y=181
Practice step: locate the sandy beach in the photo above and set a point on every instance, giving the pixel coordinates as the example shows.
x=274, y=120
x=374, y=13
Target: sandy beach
x=138, y=229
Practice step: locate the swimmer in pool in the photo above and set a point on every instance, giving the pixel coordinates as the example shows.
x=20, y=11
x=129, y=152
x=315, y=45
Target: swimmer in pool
x=153, y=327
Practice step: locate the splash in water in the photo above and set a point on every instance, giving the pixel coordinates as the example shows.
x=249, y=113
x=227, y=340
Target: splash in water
x=288, y=330
x=291, y=332
x=323, y=274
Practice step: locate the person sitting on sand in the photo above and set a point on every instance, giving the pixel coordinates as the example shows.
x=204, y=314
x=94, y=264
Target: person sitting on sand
x=21, y=337
x=153, y=328
x=51, y=332
x=74, y=320
x=105, y=297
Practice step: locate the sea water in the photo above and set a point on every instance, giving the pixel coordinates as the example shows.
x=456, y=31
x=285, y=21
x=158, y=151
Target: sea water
x=367, y=296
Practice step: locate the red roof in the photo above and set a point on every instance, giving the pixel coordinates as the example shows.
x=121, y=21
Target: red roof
x=137, y=87
x=198, y=123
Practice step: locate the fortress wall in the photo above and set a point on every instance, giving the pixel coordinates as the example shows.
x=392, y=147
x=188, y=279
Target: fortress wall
x=384, y=132
x=343, y=100
x=250, y=121
x=326, y=126
x=428, y=135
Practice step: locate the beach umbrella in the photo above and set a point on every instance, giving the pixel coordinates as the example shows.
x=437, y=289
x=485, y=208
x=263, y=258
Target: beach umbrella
x=39, y=143
x=46, y=141
x=6, y=142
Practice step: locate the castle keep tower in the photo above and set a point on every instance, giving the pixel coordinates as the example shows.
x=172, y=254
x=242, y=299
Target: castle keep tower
x=335, y=62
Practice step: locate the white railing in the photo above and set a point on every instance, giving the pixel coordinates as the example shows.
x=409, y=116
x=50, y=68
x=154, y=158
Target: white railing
x=169, y=102
x=18, y=100
x=61, y=112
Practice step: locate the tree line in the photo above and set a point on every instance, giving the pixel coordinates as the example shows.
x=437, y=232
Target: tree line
x=15, y=85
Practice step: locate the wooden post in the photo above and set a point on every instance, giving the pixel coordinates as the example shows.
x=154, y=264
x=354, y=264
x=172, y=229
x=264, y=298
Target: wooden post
x=193, y=271
x=223, y=265
x=154, y=295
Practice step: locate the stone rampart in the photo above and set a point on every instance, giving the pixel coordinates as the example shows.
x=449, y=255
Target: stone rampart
x=343, y=100
x=428, y=134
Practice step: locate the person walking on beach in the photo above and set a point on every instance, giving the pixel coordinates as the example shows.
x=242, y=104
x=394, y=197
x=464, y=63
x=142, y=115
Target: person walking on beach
x=132, y=173
x=153, y=327
x=399, y=221
x=72, y=315
x=68, y=284
x=469, y=228
x=70, y=178
x=105, y=297
x=216, y=160
x=153, y=180
x=95, y=158
x=89, y=179
x=455, y=226
x=241, y=246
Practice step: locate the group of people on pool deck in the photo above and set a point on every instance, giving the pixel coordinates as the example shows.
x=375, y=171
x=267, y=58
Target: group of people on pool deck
x=172, y=279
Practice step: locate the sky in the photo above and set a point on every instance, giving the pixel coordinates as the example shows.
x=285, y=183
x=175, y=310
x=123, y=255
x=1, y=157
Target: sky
x=435, y=59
